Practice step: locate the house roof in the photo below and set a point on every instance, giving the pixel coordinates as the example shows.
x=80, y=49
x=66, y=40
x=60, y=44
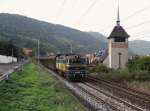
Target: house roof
x=118, y=31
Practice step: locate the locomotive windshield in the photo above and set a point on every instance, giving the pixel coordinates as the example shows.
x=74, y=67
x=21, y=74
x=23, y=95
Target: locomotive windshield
x=71, y=59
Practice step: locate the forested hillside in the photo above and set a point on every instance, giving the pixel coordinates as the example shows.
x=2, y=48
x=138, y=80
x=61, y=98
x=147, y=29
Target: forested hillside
x=57, y=38
x=23, y=32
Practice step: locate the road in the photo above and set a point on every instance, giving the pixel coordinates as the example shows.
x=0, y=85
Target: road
x=4, y=68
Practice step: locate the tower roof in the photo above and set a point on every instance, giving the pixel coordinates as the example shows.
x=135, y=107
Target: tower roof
x=118, y=30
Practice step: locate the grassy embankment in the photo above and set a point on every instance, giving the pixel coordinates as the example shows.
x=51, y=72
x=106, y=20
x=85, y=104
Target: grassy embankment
x=136, y=74
x=33, y=89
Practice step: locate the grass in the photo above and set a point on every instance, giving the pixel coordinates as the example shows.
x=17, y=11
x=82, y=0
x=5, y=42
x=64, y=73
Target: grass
x=140, y=85
x=138, y=79
x=33, y=89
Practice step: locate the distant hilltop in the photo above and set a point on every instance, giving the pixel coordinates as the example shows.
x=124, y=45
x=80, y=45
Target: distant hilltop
x=54, y=38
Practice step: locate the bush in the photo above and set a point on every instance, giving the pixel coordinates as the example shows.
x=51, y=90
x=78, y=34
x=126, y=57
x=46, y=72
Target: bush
x=121, y=74
x=138, y=68
x=141, y=75
x=99, y=68
x=139, y=63
x=125, y=74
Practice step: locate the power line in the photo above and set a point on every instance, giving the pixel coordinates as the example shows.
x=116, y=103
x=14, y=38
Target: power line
x=142, y=35
x=110, y=25
x=141, y=32
x=75, y=3
x=60, y=9
x=135, y=13
x=137, y=25
x=132, y=15
x=146, y=36
x=88, y=10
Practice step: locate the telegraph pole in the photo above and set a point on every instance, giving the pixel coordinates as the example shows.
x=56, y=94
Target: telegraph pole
x=12, y=54
x=38, y=50
x=71, y=48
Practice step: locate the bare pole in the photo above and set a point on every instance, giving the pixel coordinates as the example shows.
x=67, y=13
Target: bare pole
x=12, y=54
x=35, y=53
x=38, y=50
x=71, y=48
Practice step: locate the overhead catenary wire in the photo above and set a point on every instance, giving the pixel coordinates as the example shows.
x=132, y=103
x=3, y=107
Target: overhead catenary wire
x=136, y=12
x=87, y=11
x=93, y=3
x=130, y=16
x=140, y=37
x=108, y=27
x=60, y=9
x=141, y=32
x=137, y=25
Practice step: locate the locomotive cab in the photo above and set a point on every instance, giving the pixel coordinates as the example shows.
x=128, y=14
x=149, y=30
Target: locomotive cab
x=71, y=67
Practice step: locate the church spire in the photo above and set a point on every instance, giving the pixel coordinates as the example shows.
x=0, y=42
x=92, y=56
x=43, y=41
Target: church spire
x=118, y=17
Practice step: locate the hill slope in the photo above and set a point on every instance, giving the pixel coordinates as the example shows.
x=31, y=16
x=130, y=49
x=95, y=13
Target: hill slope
x=140, y=47
x=21, y=29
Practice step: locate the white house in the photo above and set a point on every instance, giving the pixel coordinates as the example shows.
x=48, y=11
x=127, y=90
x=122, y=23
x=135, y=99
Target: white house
x=7, y=59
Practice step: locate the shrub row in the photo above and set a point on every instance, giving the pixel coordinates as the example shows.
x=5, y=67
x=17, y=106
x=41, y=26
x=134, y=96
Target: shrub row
x=138, y=68
x=139, y=63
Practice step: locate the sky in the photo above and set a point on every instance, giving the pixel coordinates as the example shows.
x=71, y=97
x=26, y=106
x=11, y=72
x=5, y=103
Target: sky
x=87, y=15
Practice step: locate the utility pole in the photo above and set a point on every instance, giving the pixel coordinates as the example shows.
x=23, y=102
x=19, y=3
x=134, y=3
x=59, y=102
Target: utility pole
x=38, y=50
x=71, y=48
x=12, y=54
x=35, y=53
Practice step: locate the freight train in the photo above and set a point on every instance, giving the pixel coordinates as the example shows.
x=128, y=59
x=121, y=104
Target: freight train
x=69, y=66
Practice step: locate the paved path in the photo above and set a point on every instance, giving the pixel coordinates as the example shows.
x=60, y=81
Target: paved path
x=7, y=69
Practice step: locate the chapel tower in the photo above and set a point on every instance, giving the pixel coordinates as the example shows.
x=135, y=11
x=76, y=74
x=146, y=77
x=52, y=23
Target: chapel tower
x=118, y=46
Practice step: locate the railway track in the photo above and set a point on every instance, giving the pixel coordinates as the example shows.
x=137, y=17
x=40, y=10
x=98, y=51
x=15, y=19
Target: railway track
x=133, y=96
x=96, y=99
x=105, y=105
x=123, y=105
x=127, y=88
x=88, y=98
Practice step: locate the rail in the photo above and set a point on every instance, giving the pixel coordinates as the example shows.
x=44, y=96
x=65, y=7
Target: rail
x=90, y=100
x=133, y=96
x=126, y=104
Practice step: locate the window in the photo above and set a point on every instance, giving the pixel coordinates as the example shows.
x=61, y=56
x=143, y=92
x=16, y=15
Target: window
x=118, y=39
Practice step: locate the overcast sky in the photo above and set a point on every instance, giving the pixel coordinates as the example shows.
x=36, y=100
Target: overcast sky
x=87, y=15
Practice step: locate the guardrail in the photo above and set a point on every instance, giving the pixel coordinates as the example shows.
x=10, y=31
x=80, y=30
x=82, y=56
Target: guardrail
x=5, y=76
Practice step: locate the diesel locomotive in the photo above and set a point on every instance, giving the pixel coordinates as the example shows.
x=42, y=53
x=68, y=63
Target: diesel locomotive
x=69, y=66
x=72, y=67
